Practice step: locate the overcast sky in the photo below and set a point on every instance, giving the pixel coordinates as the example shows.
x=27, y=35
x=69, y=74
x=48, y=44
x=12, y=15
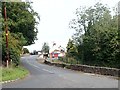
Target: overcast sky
x=55, y=17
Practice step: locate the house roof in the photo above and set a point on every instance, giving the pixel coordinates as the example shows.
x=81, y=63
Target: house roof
x=56, y=47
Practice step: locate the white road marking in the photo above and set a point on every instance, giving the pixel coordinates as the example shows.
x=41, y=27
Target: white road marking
x=39, y=67
x=47, y=70
x=90, y=74
x=33, y=65
x=50, y=72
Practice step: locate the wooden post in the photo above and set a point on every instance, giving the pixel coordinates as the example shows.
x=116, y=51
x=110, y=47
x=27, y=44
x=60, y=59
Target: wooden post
x=6, y=31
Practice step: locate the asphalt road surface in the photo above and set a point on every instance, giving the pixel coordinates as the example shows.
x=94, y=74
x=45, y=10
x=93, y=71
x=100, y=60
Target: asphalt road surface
x=45, y=76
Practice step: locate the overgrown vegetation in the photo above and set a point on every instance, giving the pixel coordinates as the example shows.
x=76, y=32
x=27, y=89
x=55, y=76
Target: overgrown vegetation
x=25, y=50
x=13, y=73
x=96, y=39
x=21, y=20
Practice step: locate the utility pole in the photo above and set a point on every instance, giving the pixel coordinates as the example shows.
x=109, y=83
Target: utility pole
x=6, y=35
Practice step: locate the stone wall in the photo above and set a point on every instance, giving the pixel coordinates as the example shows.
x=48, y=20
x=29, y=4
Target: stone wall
x=89, y=69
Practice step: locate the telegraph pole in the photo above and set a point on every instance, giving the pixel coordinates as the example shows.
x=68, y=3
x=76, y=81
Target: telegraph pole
x=6, y=35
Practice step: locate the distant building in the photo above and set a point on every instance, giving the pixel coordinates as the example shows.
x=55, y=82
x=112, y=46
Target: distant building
x=56, y=51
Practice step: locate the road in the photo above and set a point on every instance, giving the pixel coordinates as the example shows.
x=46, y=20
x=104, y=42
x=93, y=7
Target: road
x=45, y=76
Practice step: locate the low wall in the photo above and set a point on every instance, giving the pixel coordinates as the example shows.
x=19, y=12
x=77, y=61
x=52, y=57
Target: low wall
x=89, y=69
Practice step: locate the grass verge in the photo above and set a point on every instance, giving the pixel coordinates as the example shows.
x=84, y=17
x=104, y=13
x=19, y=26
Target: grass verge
x=56, y=61
x=13, y=73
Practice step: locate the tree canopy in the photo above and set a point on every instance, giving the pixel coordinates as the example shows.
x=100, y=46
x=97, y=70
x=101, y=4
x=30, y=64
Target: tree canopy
x=22, y=28
x=25, y=50
x=96, y=36
x=21, y=18
x=45, y=48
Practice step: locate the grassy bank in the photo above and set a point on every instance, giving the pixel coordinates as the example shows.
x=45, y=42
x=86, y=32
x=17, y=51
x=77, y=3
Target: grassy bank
x=13, y=73
x=56, y=61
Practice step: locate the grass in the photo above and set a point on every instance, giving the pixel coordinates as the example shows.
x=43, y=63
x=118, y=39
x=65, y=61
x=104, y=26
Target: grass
x=13, y=73
x=57, y=61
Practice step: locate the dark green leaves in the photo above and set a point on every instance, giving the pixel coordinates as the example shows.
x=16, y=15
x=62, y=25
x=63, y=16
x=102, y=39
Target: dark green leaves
x=21, y=21
x=21, y=18
x=97, y=36
x=45, y=48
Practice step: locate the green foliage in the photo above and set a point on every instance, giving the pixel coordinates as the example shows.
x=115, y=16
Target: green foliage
x=21, y=21
x=15, y=47
x=13, y=73
x=96, y=36
x=71, y=49
x=45, y=48
x=21, y=18
x=25, y=50
x=71, y=52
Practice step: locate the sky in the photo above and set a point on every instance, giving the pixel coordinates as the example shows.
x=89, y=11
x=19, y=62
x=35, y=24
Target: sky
x=55, y=16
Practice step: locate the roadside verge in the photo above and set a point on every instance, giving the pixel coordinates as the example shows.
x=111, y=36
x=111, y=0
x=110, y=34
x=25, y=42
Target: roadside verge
x=13, y=74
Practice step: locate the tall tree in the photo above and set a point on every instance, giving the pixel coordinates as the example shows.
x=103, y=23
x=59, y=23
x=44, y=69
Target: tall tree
x=45, y=48
x=71, y=51
x=97, y=36
x=21, y=18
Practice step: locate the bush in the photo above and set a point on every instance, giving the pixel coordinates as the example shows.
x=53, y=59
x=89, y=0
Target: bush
x=13, y=73
x=25, y=50
x=60, y=58
x=14, y=46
